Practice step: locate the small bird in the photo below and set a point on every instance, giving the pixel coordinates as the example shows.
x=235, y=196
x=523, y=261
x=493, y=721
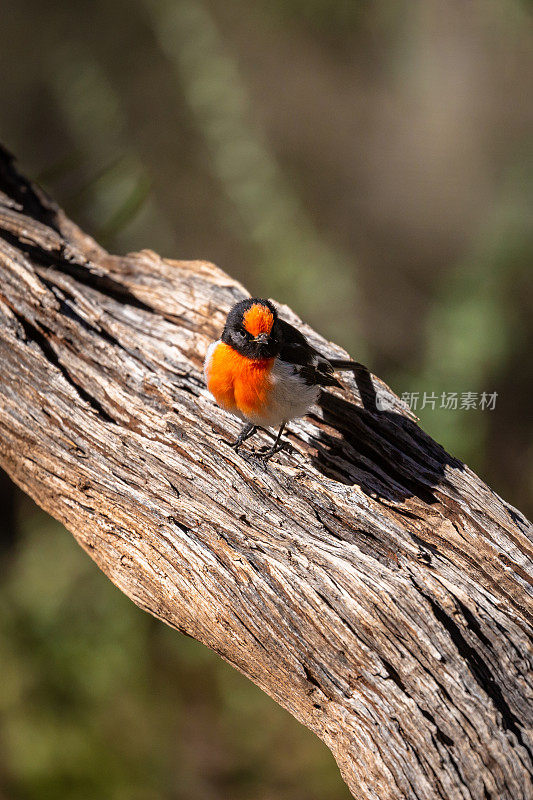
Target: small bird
x=264, y=370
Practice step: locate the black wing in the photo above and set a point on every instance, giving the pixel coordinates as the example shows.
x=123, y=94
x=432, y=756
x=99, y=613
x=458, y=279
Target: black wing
x=307, y=361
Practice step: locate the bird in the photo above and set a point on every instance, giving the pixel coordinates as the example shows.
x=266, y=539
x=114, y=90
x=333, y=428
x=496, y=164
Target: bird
x=265, y=372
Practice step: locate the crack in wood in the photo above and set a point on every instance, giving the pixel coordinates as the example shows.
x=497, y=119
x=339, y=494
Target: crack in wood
x=39, y=338
x=480, y=671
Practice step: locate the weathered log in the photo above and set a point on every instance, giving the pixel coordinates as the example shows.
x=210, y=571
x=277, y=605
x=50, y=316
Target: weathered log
x=369, y=582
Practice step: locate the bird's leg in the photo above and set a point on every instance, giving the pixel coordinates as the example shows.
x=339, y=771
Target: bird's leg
x=247, y=431
x=276, y=447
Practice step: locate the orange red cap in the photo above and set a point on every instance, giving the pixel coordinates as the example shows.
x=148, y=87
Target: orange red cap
x=258, y=319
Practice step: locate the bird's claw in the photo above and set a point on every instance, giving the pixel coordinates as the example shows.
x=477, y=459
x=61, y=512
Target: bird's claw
x=235, y=444
x=265, y=453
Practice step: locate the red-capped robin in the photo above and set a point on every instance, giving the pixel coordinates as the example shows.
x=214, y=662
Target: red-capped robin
x=264, y=370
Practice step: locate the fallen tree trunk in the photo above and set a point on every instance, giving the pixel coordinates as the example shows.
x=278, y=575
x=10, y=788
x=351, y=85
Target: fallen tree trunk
x=369, y=582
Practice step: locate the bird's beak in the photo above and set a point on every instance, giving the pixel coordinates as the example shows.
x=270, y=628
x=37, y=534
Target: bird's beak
x=262, y=338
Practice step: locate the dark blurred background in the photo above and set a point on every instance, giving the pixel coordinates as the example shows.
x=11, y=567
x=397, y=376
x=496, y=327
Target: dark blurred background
x=369, y=164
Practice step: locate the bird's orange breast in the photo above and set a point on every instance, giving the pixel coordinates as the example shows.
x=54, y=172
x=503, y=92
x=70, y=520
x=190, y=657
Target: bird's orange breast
x=237, y=382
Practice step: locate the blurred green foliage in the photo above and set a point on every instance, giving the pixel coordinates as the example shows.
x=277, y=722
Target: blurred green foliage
x=369, y=164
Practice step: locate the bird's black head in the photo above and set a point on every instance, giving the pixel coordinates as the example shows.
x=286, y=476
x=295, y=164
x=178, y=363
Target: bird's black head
x=252, y=329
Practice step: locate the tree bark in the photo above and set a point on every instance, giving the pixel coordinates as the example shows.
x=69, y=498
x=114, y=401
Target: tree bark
x=367, y=581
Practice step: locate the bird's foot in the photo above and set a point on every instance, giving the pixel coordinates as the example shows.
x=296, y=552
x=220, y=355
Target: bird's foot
x=265, y=453
x=235, y=444
x=245, y=434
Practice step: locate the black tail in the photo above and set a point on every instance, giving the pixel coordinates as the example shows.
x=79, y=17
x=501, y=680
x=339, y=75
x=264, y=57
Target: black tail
x=363, y=380
x=340, y=364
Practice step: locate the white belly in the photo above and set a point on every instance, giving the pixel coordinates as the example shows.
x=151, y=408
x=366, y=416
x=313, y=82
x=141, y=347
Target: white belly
x=290, y=397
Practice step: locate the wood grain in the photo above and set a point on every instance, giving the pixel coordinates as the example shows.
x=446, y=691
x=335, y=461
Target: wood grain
x=368, y=581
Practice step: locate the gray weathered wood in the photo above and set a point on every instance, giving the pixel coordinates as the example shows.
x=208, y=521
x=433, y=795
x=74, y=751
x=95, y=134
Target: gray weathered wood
x=369, y=582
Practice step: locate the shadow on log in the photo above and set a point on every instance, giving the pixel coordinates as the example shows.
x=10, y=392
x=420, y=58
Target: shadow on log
x=369, y=582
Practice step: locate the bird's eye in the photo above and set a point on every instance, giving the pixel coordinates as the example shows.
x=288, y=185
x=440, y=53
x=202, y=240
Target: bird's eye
x=242, y=334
